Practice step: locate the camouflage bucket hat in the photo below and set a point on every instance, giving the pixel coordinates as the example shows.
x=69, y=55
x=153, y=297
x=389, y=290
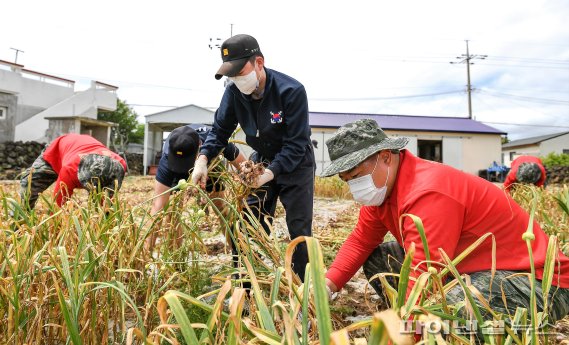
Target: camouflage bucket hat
x=95, y=169
x=356, y=141
x=528, y=173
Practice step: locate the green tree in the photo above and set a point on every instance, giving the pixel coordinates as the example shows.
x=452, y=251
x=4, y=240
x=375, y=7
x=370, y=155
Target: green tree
x=129, y=130
x=137, y=136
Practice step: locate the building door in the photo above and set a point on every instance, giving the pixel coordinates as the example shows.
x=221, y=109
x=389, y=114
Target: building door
x=430, y=149
x=412, y=145
x=452, y=152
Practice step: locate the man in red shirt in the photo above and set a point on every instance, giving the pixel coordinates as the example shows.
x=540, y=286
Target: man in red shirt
x=456, y=209
x=526, y=170
x=72, y=161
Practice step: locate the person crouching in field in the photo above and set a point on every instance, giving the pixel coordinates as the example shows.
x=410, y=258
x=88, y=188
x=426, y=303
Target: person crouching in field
x=456, y=209
x=178, y=156
x=526, y=170
x=72, y=161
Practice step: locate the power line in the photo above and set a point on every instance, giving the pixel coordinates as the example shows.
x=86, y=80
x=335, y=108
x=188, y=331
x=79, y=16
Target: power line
x=432, y=59
x=492, y=57
x=538, y=111
x=523, y=98
x=526, y=66
x=328, y=99
x=152, y=105
x=537, y=65
x=385, y=98
x=408, y=59
x=536, y=60
x=523, y=124
x=564, y=91
x=350, y=99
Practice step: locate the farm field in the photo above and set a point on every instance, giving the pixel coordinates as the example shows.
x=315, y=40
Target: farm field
x=81, y=274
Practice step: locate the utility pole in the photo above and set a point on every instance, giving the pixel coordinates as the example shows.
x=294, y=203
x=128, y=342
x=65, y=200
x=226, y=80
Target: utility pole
x=217, y=41
x=465, y=58
x=214, y=43
x=17, y=51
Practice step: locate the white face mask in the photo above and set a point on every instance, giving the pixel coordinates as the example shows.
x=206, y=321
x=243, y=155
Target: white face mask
x=364, y=190
x=246, y=83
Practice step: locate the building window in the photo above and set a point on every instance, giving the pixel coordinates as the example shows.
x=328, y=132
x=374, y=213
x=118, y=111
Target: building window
x=3, y=113
x=512, y=155
x=431, y=150
x=566, y=151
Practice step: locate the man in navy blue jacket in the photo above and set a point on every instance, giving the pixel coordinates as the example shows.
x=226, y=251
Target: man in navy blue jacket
x=272, y=110
x=178, y=156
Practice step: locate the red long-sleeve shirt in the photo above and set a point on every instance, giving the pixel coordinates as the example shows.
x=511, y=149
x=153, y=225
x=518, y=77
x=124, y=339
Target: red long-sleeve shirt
x=456, y=209
x=511, y=177
x=64, y=155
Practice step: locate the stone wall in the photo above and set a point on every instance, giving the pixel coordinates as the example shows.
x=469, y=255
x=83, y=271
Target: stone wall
x=134, y=161
x=558, y=175
x=15, y=157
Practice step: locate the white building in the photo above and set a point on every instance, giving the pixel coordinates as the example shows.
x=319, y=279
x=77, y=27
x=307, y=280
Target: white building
x=40, y=107
x=536, y=146
x=463, y=143
x=158, y=124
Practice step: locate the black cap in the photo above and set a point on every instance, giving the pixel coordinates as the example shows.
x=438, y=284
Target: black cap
x=183, y=144
x=235, y=52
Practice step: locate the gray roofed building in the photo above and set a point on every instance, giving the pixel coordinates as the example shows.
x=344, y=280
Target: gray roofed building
x=536, y=146
x=532, y=140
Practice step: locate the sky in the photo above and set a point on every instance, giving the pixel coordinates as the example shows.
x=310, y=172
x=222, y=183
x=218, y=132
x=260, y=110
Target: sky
x=373, y=57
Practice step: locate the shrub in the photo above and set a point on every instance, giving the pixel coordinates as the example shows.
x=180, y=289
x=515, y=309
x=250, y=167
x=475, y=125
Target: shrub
x=555, y=159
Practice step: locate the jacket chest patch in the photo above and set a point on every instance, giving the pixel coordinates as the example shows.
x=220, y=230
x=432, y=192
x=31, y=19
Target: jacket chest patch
x=276, y=117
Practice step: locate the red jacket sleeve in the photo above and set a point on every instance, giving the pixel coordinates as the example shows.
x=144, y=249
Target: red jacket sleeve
x=367, y=235
x=541, y=181
x=510, y=179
